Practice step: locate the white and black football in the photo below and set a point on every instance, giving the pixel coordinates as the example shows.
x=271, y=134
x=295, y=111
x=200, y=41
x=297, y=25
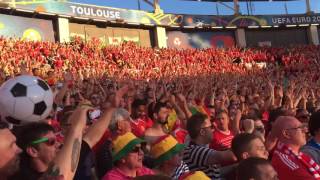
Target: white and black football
x=25, y=99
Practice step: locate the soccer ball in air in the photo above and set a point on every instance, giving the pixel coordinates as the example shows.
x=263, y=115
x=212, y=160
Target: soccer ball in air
x=25, y=99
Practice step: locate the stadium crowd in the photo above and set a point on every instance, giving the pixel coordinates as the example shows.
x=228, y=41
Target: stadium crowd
x=130, y=112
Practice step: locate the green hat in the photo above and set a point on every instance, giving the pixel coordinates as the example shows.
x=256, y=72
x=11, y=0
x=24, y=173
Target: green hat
x=123, y=145
x=165, y=148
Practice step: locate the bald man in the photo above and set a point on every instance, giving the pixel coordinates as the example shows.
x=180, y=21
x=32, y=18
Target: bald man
x=287, y=159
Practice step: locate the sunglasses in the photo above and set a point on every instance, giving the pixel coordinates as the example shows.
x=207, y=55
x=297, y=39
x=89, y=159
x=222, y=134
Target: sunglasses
x=47, y=141
x=136, y=149
x=302, y=127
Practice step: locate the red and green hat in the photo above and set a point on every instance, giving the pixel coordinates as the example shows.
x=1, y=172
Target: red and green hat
x=195, y=175
x=123, y=145
x=165, y=148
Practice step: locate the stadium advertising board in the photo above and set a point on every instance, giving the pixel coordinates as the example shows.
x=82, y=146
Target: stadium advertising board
x=26, y=28
x=200, y=40
x=245, y=21
x=94, y=12
x=143, y=17
x=276, y=37
x=111, y=35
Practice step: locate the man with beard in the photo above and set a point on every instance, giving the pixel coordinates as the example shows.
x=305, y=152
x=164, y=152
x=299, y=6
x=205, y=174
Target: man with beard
x=40, y=146
x=160, y=117
x=62, y=166
x=9, y=161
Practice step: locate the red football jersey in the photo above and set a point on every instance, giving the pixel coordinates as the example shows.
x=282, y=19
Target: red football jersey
x=221, y=140
x=139, y=126
x=289, y=168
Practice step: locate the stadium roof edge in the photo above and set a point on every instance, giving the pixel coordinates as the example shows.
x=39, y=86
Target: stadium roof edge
x=138, y=18
x=238, y=0
x=6, y=5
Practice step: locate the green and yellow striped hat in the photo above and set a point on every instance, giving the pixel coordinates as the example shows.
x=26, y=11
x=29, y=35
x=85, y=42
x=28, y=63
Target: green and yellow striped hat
x=165, y=148
x=123, y=145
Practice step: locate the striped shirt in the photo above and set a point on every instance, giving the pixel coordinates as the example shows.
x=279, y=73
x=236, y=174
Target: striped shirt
x=179, y=171
x=196, y=157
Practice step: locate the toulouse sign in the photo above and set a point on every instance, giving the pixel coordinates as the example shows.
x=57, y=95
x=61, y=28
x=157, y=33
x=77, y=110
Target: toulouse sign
x=95, y=12
x=143, y=17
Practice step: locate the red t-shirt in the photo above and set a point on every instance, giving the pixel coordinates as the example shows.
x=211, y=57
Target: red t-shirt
x=289, y=168
x=221, y=140
x=180, y=134
x=149, y=122
x=139, y=126
x=117, y=174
